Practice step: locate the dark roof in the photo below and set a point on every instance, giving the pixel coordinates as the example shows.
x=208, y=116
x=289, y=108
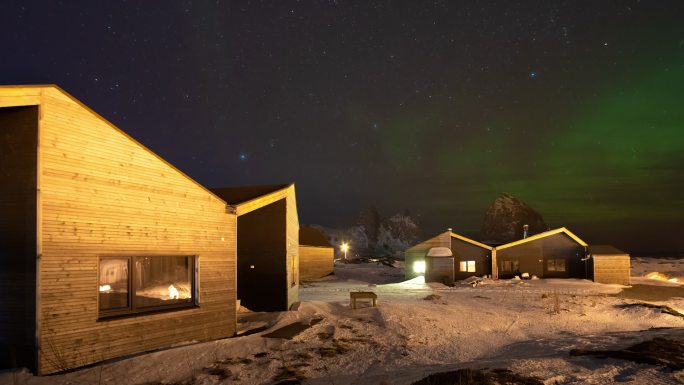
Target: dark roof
x=236, y=195
x=311, y=236
x=605, y=250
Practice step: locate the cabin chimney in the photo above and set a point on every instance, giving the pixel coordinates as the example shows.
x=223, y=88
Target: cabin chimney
x=526, y=231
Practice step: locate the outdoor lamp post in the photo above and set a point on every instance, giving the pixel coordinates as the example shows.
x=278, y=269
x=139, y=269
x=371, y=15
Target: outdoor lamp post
x=345, y=247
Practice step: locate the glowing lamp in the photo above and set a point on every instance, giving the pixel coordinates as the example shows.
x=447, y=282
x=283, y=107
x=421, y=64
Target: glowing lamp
x=345, y=247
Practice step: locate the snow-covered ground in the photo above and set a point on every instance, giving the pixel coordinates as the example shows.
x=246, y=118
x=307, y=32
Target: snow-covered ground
x=668, y=271
x=418, y=329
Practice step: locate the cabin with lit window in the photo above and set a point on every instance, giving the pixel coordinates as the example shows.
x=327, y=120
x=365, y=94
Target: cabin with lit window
x=267, y=245
x=107, y=249
x=552, y=254
x=316, y=254
x=470, y=257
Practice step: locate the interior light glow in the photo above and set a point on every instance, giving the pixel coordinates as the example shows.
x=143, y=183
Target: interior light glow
x=419, y=267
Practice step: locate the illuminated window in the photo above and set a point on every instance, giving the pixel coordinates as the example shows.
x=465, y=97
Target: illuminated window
x=467, y=266
x=419, y=267
x=139, y=284
x=511, y=266
x=114, y=284
x=555, y=265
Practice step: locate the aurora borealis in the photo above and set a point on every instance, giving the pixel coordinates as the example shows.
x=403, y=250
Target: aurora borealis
x=575, y=107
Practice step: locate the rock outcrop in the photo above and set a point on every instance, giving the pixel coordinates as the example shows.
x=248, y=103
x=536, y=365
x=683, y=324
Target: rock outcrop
x=506, y=217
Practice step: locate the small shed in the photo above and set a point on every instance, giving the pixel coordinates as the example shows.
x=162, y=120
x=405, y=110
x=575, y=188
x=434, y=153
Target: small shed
x=439, y=265
x=107, y=249
x=316, y=254
x=609, y=265
x=267, y=245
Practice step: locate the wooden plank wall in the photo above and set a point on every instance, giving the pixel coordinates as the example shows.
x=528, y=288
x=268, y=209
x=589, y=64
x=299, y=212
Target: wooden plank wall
x=18, y=216
x=315, y=261
x=419, y=251
x=292, y=248
x=612, y=269
x=103, y=194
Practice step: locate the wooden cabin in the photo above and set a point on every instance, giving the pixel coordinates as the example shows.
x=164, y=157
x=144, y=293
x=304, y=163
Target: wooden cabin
x=267, y=245
x=609, y=265
x=471, y=258
x=108, y=250
x=316, y=254
x=552, y=254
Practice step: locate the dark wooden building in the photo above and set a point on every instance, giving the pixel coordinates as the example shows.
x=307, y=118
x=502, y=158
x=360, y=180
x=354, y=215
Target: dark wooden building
x=107, y=249
x=316, y=254
x=553, y=254
x=267, y=245
x=471, y=258
x=609, y=265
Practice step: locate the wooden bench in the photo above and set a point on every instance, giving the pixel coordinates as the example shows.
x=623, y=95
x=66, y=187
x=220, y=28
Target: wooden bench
x=363, y=295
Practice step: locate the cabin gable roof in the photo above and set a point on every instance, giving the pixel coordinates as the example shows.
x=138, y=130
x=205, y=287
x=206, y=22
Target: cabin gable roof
x=311, y=236
x=471, y=241
x=31, y=95
x=543, y=235
x=246, y=199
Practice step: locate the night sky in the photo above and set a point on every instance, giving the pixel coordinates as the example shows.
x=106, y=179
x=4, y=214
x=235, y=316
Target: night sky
x=575, y=107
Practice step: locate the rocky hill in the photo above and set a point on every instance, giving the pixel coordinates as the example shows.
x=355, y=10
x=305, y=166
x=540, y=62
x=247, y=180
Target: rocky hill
x=505, y=217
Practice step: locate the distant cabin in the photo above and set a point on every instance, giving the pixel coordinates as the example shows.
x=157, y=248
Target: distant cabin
x=267, y=245
x=552, y=254
x=470, y=258
x=107, y=249
x=609, y=265
x=316, y=254
x=556, y=253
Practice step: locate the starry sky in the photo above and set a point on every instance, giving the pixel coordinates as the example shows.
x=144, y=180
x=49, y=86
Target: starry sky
x=575, y=107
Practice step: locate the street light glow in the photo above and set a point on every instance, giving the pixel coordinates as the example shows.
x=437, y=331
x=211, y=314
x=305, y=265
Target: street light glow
x=345, y=247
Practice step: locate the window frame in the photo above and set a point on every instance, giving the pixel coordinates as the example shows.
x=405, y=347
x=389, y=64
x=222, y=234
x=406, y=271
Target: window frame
x=467, y=266
x=133, y=309
x=513, y=265
x=555, y=265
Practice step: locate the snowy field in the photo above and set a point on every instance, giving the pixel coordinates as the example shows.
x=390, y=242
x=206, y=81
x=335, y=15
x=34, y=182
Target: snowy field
x=417, y=329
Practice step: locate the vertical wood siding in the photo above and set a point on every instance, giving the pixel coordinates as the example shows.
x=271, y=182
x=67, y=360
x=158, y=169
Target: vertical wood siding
x=104, y=194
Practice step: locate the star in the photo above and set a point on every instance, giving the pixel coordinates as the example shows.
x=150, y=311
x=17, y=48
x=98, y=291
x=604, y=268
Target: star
x=243, y=156
x=533, y=74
